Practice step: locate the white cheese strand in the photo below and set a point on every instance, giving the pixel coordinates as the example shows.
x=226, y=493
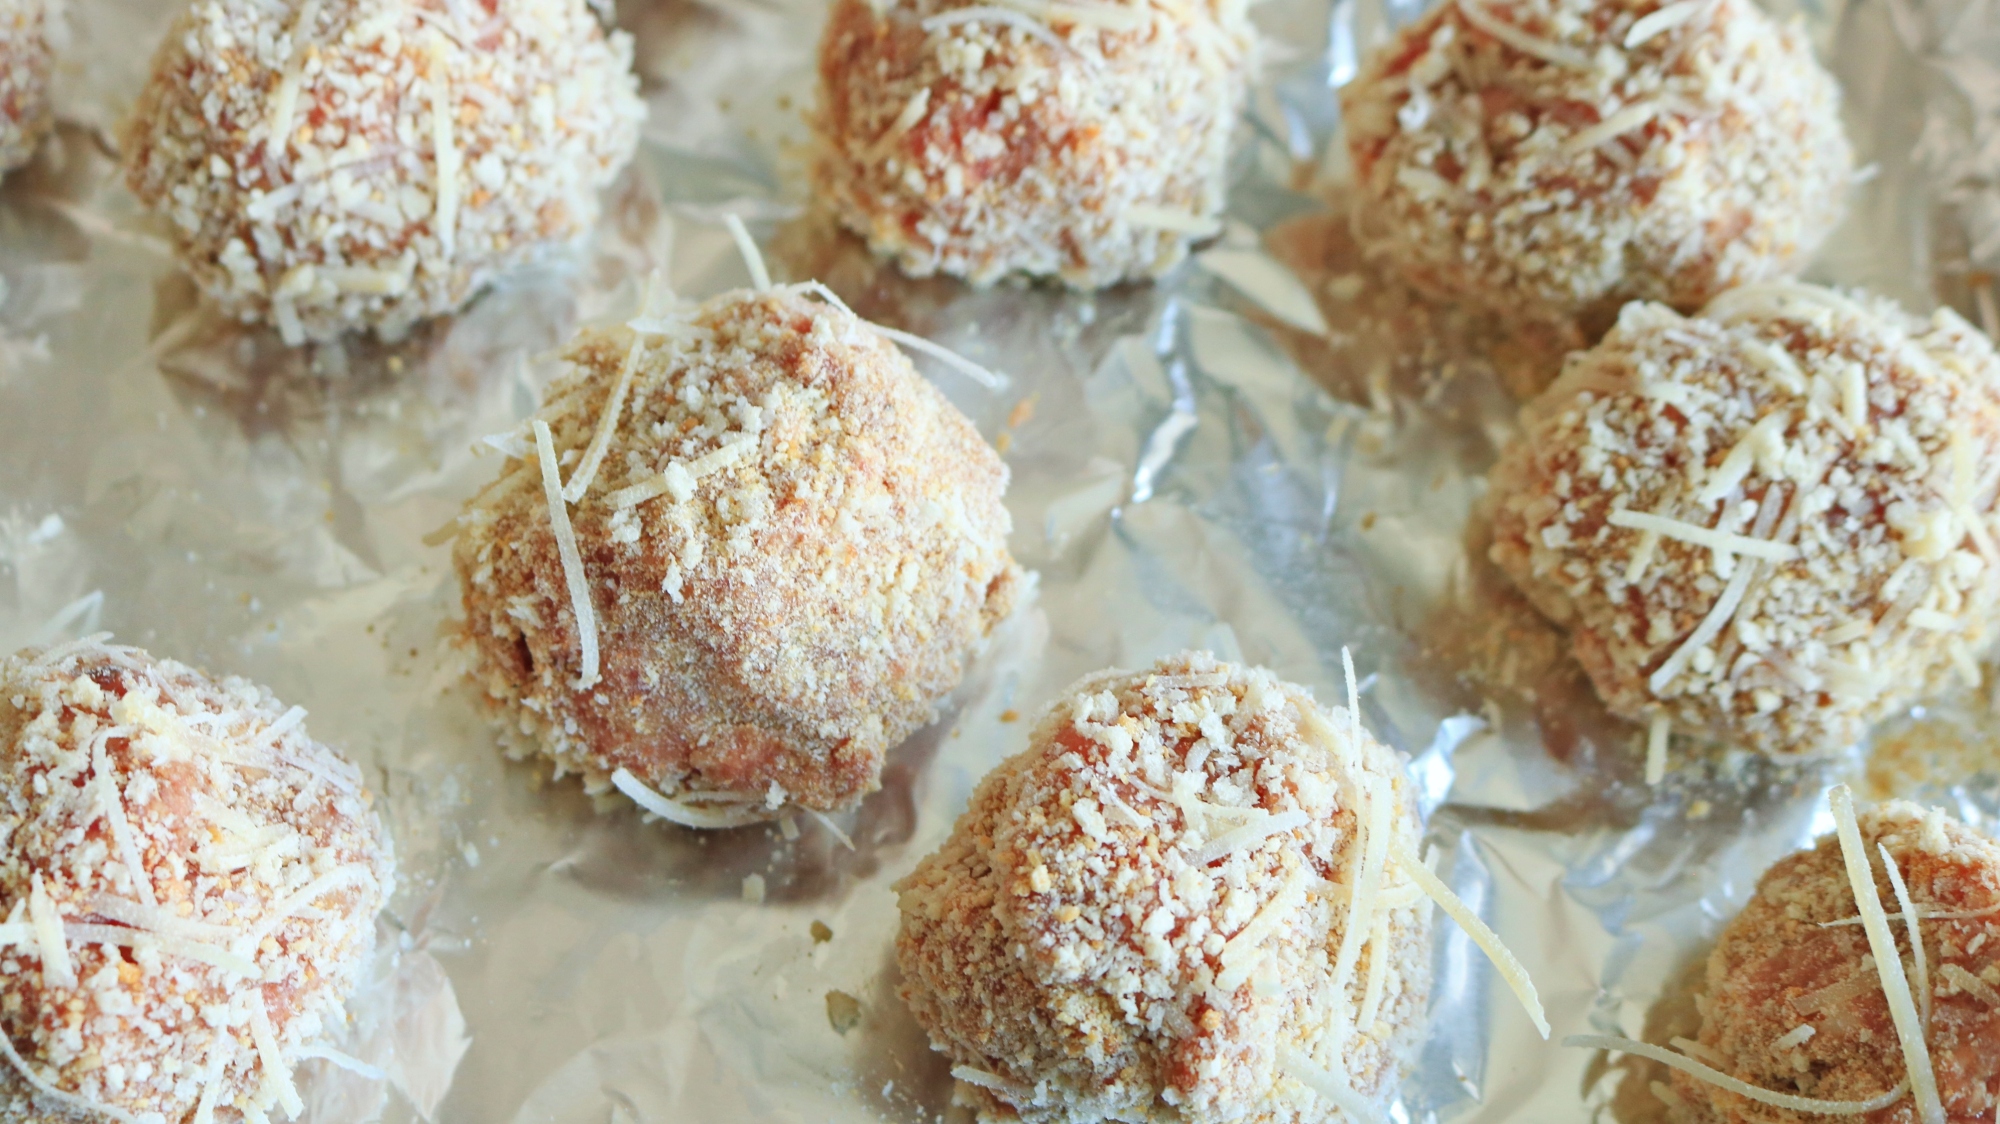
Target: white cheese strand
x=1555, y=54
x=1657, y=735
x=753, y=258
x=445, y=214
x=1910, y=922
x=673, y=811
x=1726, y=541
x=57, y=971
x=1329, y=1085
x=1373, y=817
x=70, y=1101
x=1718, y=1078
x=1888, y=963
x=274, y=1084
x=1488, y=941
x=607, y=425
x=572, y=559
x=1248, y=836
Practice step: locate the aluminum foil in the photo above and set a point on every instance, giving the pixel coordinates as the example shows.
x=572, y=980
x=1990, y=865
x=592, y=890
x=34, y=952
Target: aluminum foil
x=1269, y=454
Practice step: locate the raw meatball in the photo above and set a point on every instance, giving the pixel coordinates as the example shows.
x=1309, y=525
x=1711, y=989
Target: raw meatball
x=792, y=543
x=190, y=886
x=1152, y=904
x=1087, y=144
x=24, y=79
x=1553, y=159
x=339, y=164
x=1781, y=966
x=1770, y=524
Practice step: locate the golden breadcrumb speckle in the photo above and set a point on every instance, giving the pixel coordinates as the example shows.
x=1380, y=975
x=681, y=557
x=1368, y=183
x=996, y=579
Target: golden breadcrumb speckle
x=210, y=874
x=792, y=545
x=1771, y=523
x=1552, y=159
x=1083, y=140
x=337, y=164
x=1780, y=966
x=1147, y=906
x=25, y=63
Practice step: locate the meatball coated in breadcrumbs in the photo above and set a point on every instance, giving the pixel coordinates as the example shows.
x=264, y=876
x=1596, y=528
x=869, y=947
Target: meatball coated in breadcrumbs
x=189, y=887
x=338, y=164
x=1553, y=159
x=792, y=543
x=1087, y=143
x=1794, y=958
x=25, y=62
x=1147, y=912
x=1772, y=523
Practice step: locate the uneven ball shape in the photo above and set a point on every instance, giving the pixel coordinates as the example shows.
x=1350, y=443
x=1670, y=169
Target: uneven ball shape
x=1087, y=144
x=1553, y=159
x=1151, y=905
x=1770, y=524
x=1779, y=965
x=25, y=63
x=330, y=165
x=190, y=886
x=793, y=543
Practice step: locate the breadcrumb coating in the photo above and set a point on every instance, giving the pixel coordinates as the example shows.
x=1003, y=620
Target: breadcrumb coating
x=189, y=885
x=1081, y=139
x=25, y=62
x=1142, y=915
x=1553, y=159
x=1770, y=524
x=1794, y=958
x=793, y=543
x=337, y=164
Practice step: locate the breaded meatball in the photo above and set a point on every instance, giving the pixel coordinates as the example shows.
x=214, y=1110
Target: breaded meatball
x=1151, y=906
x=1086, y=143
x=25, y=63
x=337, y=164
x=1553, y=159
x=189, y=883
x=792, y=544
x=1769, y=524
x=1793, y=1003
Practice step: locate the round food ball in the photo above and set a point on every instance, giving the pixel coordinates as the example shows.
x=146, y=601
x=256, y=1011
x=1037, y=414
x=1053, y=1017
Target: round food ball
x=190, y=886
x=792, y=544
x=1780, y=966
x=1770, y=524
x=1553, y=159
x=339, y=164
x=25, y=62
x=1151, y=904
x=977, y=141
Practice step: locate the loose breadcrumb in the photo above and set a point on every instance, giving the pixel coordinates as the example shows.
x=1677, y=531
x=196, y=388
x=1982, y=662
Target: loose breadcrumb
x=25, y=64
x=1553, y=159
x=200, y=963
x=339, y=164
x=791, y=546
x=1081, y=140
x=1869, y=575
x=1787, y=963
x=1083, y=952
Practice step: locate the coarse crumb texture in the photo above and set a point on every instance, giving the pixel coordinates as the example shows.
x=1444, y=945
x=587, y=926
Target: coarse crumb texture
x=339, y=164
x=1770, y=524
x=1554, y=159
x=1081, y=139
x=1143, y=915
x=1780, y=966
x=190, y=886
x=25, y=62
x=793, y=545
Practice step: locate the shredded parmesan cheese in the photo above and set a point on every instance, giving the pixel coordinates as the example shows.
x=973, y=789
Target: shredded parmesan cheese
x=285, y=100
x=1657, y=736
x=1664, y=18
x=1556, y=54
x=275, y=1082
x=1740, y=1088
x=56, y=969
x=972, y=1075
x=944, y=355
x=673, y=811
x=71, y=1101
x=1242, y=952
x=1170, y=218
x=1642, y=556
x=832, y=828
x=1488, y=941
x=1797, y=1036
x=1028, y=25
x=1375, y=814
x=1378, y=967
x=1970, y=984
x=1743, y=456
x=753, y=258
x=1725, y=606
x=1888, y=964
x=1243, y=838
x=607, y=425
x=1613, y=127
x=445, y=215
x=572, y=559
x=1722, y=541
x=1910, y=921
x=1329, y=1085
x=113, y=804
x=1110, y=17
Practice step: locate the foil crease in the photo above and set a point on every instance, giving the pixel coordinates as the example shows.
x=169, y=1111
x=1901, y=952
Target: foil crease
x=1271, y=454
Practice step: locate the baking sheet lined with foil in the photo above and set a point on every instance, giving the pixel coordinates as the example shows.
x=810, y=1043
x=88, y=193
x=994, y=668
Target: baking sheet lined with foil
x=1270, y=453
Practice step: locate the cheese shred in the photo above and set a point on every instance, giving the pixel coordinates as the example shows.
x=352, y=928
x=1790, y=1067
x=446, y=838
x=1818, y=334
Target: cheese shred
x=1658, y=734
x=1888, y=963
x=1722, y=1080
x=673, y=811
x=1488, y=941
x=753, y=258
x=607, y=424
x=572, y=559
x=1911, y=919
x=57, y=972
x=1329, y=1085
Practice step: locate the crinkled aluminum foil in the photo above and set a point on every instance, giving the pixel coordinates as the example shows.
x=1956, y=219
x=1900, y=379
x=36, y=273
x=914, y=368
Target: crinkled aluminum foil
x=1271, y=463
